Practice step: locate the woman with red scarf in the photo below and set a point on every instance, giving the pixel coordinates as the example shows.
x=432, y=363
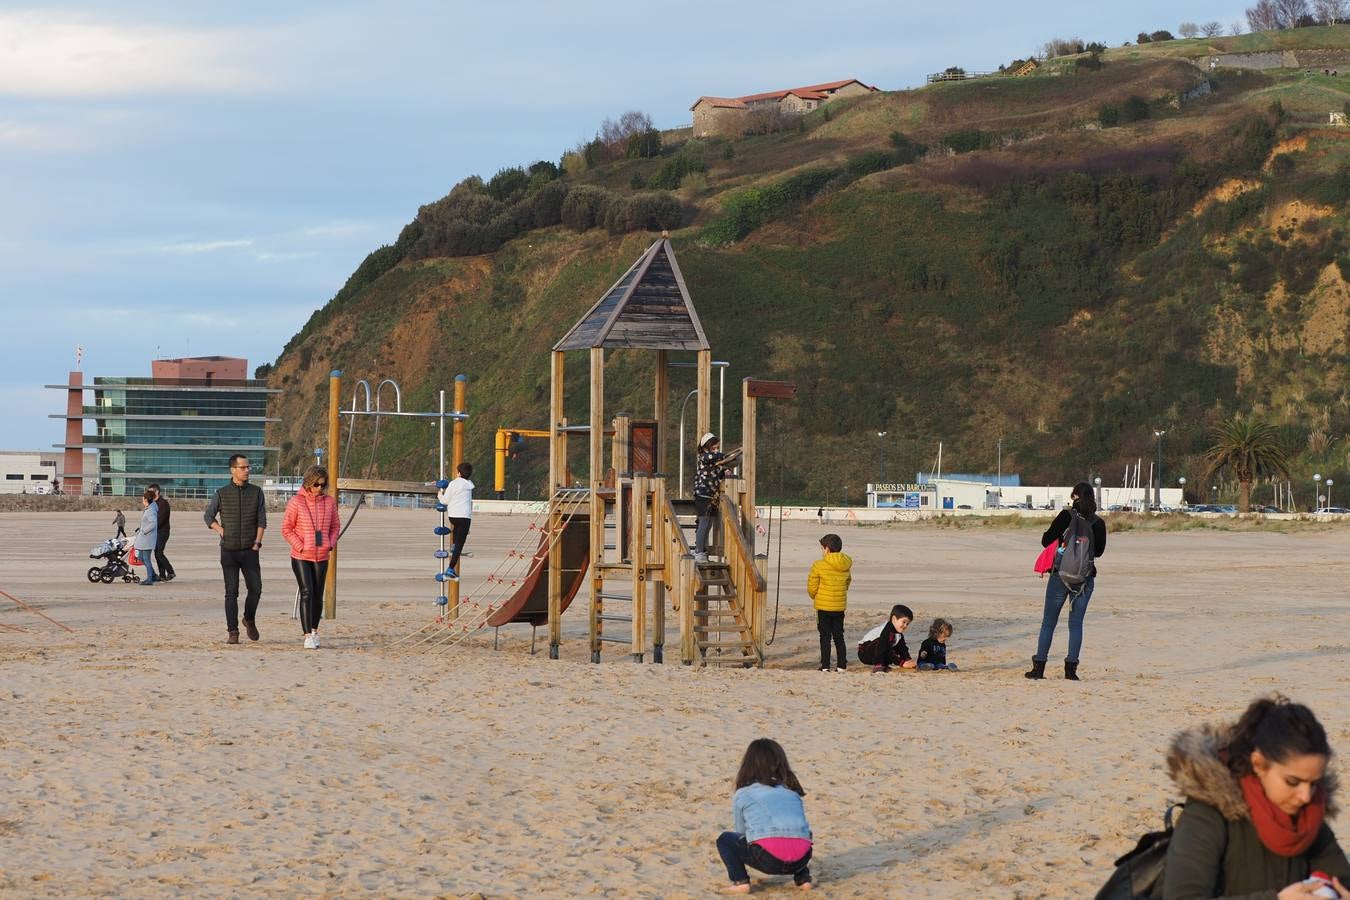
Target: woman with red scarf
x=1258, y=796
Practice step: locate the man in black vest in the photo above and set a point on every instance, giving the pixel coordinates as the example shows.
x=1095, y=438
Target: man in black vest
x=163, y=568
x=242, y=520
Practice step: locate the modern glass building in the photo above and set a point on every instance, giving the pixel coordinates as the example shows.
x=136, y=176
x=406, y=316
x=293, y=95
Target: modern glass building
x=177, y=428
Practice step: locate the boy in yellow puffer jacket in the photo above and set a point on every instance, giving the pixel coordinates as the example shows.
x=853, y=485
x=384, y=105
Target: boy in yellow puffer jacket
x=827, y=586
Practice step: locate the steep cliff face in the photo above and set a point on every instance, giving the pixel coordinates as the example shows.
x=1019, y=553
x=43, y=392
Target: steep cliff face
x=1062, y=286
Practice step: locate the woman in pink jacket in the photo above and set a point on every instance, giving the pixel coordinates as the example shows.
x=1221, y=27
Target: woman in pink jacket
x=311, y=528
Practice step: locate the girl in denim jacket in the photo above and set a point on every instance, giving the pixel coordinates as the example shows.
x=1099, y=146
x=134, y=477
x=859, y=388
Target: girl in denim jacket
x=771, y=832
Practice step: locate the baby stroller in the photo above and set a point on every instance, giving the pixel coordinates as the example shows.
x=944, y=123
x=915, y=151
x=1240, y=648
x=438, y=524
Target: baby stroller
x=114, y=552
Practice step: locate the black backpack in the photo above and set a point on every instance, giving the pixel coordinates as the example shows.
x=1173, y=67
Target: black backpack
x=1077, y=559
x=1139, y=873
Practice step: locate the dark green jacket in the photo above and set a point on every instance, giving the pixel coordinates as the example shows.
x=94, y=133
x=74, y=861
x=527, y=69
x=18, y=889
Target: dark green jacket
x=1215, y=851
x=242, y=512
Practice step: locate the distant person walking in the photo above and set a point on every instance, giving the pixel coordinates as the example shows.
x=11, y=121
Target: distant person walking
x=1083, y=505
x=242, y=520
x=145, y=536
x=458, y=500
x=121, y=522
x=712, y=468
x=162, y=564
x=311, y=527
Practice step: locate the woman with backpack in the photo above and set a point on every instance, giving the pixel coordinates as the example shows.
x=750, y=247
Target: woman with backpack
x=1079, y=522
x=1257, y=798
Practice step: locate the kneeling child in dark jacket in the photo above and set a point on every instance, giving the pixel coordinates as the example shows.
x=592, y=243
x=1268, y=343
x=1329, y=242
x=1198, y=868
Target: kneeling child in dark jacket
x=884, y=646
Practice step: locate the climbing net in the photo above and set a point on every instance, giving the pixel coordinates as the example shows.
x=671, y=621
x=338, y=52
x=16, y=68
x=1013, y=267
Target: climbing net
x=519, y=565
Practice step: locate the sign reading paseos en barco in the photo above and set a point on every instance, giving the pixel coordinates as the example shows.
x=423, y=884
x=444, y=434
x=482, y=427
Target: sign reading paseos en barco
x=902, y=488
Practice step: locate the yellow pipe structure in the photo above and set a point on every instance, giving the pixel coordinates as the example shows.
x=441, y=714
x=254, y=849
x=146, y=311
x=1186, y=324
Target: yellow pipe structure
x=500, y=447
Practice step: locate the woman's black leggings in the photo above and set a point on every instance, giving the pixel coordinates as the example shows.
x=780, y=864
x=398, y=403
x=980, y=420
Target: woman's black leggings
x=310, y=576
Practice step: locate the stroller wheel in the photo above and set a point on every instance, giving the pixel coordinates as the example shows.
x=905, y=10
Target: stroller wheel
x=108, y=577
x=135, y=578
x=95, y=574
x=126, y=578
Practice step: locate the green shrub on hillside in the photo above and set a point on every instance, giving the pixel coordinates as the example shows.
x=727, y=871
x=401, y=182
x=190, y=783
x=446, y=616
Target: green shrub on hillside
x=688, y=160
x=584, y=207
x=644, y=145
x=1134, y=109
x=966, y=140
x=649, y=211
x=906, y=148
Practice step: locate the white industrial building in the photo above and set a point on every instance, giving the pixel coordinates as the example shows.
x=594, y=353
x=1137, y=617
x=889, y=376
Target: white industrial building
x=27, y=471
x=950, y=494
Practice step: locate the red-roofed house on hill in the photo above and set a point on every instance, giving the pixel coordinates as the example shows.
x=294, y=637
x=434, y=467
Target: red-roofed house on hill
x=727, y=116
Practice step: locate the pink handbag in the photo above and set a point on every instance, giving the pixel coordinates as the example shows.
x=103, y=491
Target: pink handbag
x=1046, y=560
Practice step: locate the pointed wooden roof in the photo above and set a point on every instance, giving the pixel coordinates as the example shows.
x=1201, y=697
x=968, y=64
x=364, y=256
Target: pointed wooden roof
x=648, y=308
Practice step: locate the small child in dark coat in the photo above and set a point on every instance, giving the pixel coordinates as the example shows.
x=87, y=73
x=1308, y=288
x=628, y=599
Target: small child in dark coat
x=884, y=646
x=933, y=651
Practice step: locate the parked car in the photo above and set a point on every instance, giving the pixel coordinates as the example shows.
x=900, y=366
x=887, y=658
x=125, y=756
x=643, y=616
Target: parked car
x=1331, y=510
x=1266, y=509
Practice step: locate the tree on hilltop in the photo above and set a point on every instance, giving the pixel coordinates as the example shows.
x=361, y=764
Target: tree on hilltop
x=1188, y=30
x=1246, y=449
x=1211, y=29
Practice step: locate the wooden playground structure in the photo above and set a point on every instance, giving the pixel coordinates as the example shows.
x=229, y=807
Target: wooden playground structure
x=623, y=530
x=638, y=551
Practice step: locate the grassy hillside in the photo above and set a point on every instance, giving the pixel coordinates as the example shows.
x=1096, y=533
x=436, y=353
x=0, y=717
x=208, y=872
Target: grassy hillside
x=1034, y=276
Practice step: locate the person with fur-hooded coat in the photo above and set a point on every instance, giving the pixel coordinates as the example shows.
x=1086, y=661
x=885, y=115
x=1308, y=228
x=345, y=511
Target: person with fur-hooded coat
x=1258, y=795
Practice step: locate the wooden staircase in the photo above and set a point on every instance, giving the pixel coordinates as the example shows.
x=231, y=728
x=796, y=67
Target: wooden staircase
x=721, y=631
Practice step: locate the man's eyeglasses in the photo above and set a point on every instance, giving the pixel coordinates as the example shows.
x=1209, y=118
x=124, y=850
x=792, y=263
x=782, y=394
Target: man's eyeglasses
x=242, y=466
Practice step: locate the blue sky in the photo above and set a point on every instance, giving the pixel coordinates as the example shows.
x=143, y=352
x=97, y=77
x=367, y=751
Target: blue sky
x=184, y=179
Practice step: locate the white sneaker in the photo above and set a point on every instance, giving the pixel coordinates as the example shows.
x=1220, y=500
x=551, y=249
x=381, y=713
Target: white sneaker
x=315, y=635
x=309, y=642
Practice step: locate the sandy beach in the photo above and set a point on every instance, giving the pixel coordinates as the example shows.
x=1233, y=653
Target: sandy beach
x=144, y=757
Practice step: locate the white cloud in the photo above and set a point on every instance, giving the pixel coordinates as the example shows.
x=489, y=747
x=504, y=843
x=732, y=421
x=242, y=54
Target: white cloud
x=61, y=54
x=189, y=248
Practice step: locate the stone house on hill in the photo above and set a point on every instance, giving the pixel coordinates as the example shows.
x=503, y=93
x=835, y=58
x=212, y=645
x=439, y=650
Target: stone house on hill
x=727, y=116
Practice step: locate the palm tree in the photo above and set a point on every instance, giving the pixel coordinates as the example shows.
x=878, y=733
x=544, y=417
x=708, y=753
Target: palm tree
x=1247, y=450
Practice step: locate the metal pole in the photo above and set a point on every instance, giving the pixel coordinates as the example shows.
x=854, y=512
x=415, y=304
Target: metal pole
x=721, y=401
x=334, y=471
x=683, y=407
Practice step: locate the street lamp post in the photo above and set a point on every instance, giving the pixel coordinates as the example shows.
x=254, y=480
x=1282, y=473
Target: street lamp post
x=881, y=447
x=1097, y=484
x=1182, y=481
x=1328, y=493
x=1317, y=490
x=1157, y=493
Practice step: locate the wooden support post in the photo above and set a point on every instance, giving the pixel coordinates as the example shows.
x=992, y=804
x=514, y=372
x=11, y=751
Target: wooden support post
x=659, y=542
x=659, y=405
x=334, y=462
x=705, y=397
x=557, y=468
x=749, y=411
x=457, y=440
x=618, y=457
x=658, y=562
x=688, y=647
x=597, y=478
x=637, y=548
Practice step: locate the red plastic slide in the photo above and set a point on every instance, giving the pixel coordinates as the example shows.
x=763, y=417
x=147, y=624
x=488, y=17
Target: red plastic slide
x=529, y=603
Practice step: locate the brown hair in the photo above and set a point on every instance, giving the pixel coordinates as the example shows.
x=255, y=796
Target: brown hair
x=149, y=495
x=833, y=543
x=766, y=763
x=1280, y=729
x=313, y=474
x=939, y=625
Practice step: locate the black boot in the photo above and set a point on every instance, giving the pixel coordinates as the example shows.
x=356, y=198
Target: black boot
x=1070, y=671
x=1037, y=669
